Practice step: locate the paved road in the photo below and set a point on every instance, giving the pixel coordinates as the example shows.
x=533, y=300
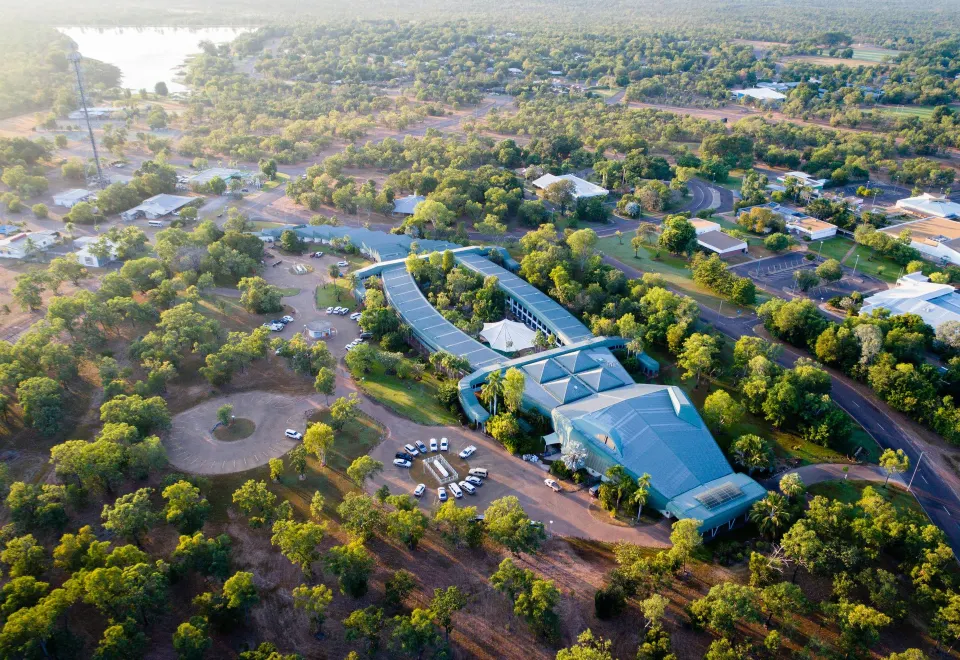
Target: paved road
x=931, y=484
x=704, y=195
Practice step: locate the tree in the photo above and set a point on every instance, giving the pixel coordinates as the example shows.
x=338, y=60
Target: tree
x=415, y=633
x=318, y=440
x=161, y=89
x=363, y=468
x=258, y=297
x=325, y=383
x=298, y=461
x=653, y=609
x=130, y=516
x=830, y=270
x=792, y=486
x=685, y=537
x=726, y=605
x=721, y=411
x=186, y=507
x=276, y=469
x=145, y=414
x=806, y=279
x=640, y=495
x=582, y=244
x=513, y=385
x=508, y=525
x=256, y=502
x=492, y=389
x=24, y=557
x=699, y=355
x=269, y=167
x=407, y=526
x=365, y=624
x=770, y=514
x=752, y=452
x=225, y=414
x=28, y=292
x=894, y=462
x=398, y=586
x=343, y=410
x=120, y=642
x=360, y=515
x=40, y=399
x=314, y=601
x=458, y=525
x=446, y=603
x=561, y=194
x=776, y=242
x=239, y=592
x=24, y=591
x=678, y=235
x=191, y=640
x=352, y=565
x=298, y=542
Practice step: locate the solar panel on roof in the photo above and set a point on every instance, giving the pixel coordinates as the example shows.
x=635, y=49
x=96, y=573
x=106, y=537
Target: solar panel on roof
x=719, y=495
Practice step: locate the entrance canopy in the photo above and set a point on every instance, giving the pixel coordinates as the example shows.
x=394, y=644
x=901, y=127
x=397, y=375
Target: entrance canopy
x=507, y=336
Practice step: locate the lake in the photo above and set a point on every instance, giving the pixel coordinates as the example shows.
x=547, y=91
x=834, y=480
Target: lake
x=146, y=55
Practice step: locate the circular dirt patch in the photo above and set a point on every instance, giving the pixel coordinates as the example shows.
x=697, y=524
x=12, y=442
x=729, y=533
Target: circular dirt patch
x=239, y=429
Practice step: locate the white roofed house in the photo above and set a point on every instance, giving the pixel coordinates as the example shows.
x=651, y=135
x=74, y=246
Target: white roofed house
x=763, y=95
x=156, y=207
x=69, y=198
x=583, y=189
x=804, y=179
x=24, y=245
x=88, y=255
x=927, y=205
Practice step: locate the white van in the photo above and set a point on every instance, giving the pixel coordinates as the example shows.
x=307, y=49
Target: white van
x=455, y=489
x=479, y=472
x=156, y=223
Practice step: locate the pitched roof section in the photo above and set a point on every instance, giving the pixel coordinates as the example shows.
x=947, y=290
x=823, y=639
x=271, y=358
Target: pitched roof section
x=576, y=362
x=600, y=380
x=545, y=370
x=566, y=390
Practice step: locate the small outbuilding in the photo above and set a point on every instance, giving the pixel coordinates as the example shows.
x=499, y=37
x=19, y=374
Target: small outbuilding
x=583, y=189
x=717, y=241
x=407, y=205
x=156, y=207
x=319, y=330
x=69, y=198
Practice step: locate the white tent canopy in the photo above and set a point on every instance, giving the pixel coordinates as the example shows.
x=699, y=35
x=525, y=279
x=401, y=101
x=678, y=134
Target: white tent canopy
x=507, y=336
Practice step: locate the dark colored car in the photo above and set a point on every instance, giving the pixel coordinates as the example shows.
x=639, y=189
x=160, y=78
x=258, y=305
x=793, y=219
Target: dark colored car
x=405, y=456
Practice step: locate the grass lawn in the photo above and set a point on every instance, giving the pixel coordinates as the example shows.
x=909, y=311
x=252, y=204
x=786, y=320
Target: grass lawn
x=264, y=224
x=874, y=54
x=833, y=248
x=326, y=295
x=922, y=111
x=279, y=181
x=673, y=269
x=417, y=401
x=850, y=491
x=734, y=181
x=229, y=312
x=871, y=264
x=356, y=438
x=238, y=429
x=289, y=292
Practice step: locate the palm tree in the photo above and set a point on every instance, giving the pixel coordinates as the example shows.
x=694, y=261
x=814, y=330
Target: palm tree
x=770, y=514
x=335, y=273
x=635, y=346
x=641, y=493
x=492, y=389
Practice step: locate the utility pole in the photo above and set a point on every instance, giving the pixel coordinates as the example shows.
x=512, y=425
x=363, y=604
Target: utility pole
x=820, y=250
x=855, y=264
x=915, y=468
x=75, y=58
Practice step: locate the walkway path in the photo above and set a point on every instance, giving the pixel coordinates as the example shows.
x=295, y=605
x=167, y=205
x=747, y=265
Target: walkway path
x=815, y=474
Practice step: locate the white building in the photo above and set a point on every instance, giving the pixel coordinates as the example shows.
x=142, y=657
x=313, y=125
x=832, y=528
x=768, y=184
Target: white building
x=156, y=207
x=916, y=294
x=407, y=205
x=94, y=113
x=717, y=241
x=805, y=180
x=87, y=258
x=927, y=205
x=583, y=189
x=69, y=198
x=21, y=246
x=704, y=226
x=937, y=238
x=206, y=176
x=760, y=94
x=815, y=230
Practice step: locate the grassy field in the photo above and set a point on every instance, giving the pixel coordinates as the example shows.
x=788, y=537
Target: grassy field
x=238, y=429
x=921, y=111
x=279, y=181
x=850, y=491
x=672, y=268
x=326, y=295
x=872, y=264
x=291, y=291
x=834, y=248
x=874, y=54
x=417, y=401
x=264, y=224
x=356, y=438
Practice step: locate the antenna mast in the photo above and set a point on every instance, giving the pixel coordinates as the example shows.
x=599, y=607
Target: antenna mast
x=75, y=58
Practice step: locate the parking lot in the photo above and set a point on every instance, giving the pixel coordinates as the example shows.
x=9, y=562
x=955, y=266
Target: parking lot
x=566, y=513
x=777, y=275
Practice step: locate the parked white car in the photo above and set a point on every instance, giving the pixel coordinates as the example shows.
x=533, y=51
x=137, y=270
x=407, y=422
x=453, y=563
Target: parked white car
x=467, y=486
x=553, y=485
x=433, y=444
x=277, y=327
x=329, y=310
x=399, y=462
x=468, y=452
x=343, y=264
x=444, y=445
x=355, y=316
x=295, y=435
x=419, y=490
x=479, y=472
x=411, y=449
x=476, y=481
x=422, y=447
x=442, y=494
x=287, y=319
x=455, y=489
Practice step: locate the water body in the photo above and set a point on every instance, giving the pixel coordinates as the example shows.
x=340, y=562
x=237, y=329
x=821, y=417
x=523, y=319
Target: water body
x=146, y=55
